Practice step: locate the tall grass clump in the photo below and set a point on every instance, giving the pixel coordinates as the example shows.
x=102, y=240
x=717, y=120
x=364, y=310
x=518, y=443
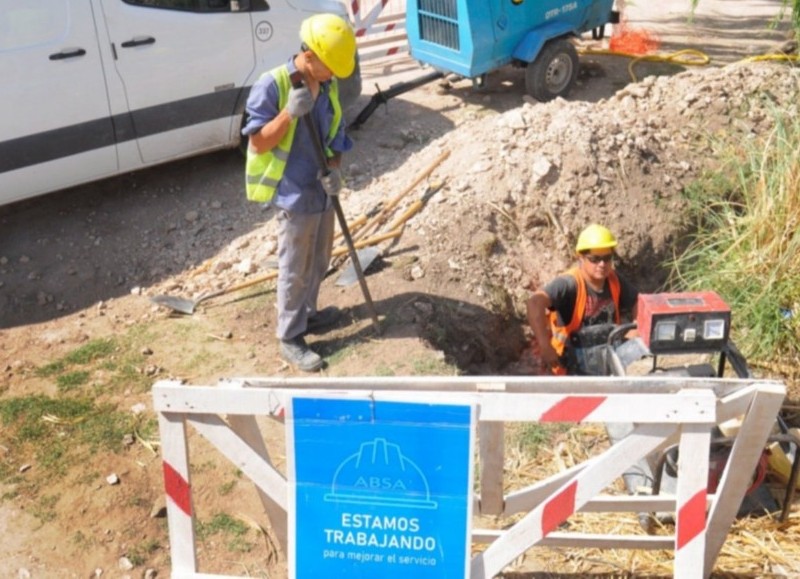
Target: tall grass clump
x=745, y=243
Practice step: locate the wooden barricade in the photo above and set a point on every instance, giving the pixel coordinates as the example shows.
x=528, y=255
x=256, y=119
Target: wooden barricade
x=380, y=28
x=664, y=411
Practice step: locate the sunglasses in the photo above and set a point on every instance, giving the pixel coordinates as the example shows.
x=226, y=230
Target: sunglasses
x=598, y=258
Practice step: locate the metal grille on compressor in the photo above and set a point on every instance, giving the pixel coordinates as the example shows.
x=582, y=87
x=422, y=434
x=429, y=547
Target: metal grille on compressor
x=438, y=22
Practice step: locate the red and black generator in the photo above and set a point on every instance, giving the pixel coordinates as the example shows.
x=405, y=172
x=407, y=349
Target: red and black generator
x=687, y=322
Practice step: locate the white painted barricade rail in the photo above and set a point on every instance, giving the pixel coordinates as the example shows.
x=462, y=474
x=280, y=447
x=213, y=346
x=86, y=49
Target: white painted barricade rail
x=663, y=410
x=380, y=28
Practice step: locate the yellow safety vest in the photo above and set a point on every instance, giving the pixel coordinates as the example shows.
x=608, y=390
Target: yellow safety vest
x=264, y=171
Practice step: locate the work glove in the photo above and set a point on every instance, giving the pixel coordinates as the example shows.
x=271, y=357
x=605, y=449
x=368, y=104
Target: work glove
x=300, y=102
x=332, y=182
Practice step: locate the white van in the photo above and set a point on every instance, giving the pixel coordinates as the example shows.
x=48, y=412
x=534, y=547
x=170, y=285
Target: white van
x=94, y=88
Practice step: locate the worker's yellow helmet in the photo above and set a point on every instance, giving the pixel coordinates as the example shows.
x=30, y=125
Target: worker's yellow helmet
x=331, y=38
x=595, y=237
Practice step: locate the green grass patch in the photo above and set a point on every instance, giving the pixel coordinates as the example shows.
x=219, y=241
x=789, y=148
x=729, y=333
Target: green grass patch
x=147, y=428
x=72, y=380
x=530, y=437
x=383, y=370
x=140, y=552
x=52, y=457
x=120, y=358
x=85, y=354
x=44, y=508
x=745, y=243
x=340, y=354
x=79, y=538
x=26, y=413
x=91, y=351
x=234, y=530
x=221, y=523
x=227, y=487
x=51, y=369
x=126, y=375
x=432, y=367
x=60, y=431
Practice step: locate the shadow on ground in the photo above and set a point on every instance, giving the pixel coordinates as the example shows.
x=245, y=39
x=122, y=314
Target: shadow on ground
x=474, y=339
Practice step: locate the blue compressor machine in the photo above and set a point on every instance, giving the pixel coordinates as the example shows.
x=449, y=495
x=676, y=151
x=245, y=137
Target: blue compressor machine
x=474, y=37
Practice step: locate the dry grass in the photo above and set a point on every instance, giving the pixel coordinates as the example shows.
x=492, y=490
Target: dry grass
x=755, y=546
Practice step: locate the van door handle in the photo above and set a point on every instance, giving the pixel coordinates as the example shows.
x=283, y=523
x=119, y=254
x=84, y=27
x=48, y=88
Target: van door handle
x=72, y=53
x=140, y=41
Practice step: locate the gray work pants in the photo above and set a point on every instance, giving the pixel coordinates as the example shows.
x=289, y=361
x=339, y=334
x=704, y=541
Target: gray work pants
x=305, y=242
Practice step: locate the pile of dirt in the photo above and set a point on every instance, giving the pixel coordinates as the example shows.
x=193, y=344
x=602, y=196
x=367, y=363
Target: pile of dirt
x=519, y=185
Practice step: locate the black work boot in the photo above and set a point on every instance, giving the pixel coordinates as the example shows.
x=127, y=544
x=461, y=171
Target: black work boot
x=298, y=354
x=323, y=319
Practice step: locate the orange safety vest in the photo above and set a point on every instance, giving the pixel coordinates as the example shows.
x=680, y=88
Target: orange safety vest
x=561, y=334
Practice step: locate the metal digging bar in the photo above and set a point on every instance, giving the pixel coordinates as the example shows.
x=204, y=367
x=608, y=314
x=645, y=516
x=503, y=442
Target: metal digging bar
x=323, y=166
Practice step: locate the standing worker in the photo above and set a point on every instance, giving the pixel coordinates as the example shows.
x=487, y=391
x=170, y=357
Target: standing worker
x=282, y=169
x=574, y=313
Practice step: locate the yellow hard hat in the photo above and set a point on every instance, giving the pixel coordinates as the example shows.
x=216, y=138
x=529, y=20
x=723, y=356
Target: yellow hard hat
x=331, y=38
x=595, y=237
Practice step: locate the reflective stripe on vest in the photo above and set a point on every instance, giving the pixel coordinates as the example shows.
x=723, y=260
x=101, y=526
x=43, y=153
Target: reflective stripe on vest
x=263, y=172
x=561, y=334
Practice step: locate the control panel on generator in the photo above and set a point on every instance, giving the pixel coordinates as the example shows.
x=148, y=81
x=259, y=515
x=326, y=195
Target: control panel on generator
x=675, y=323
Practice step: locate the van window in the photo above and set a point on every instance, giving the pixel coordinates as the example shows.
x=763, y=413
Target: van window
x=187, y=5
x=25, y=24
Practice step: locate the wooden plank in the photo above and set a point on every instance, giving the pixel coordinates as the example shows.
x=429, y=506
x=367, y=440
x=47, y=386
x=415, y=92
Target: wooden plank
x=386, y=18
x=690, y=523
x=543, y=384
x=587, y=540
x=562, y=407
x=365, y=45
x=247, y=428
x=531, y=496
x=261, y=472
x=382, y=25
x=539, y=384
x=384, y=52
x=630, y=504
x=744, y=456
x=571, y=496
x=175, y=455
x=735, y=404
x=491, y=440
x=590, y=541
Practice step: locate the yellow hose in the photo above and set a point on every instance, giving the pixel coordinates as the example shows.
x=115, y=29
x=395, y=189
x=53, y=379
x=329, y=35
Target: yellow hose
x=764, y=57
x=686, y=57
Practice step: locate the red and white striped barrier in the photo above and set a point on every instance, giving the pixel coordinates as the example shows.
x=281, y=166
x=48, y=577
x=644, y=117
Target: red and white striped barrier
x=380, y=28
x=663, y=410
x=364, y=23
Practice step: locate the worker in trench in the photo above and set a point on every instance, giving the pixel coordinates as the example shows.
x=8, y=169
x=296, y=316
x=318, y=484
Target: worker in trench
x=573, y=315
x=282, y=169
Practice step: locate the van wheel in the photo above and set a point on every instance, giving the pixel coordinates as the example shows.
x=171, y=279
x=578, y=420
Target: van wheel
x=554, y=71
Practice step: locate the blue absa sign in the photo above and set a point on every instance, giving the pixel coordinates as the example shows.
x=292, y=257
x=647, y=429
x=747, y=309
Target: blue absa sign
x=379, y=489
